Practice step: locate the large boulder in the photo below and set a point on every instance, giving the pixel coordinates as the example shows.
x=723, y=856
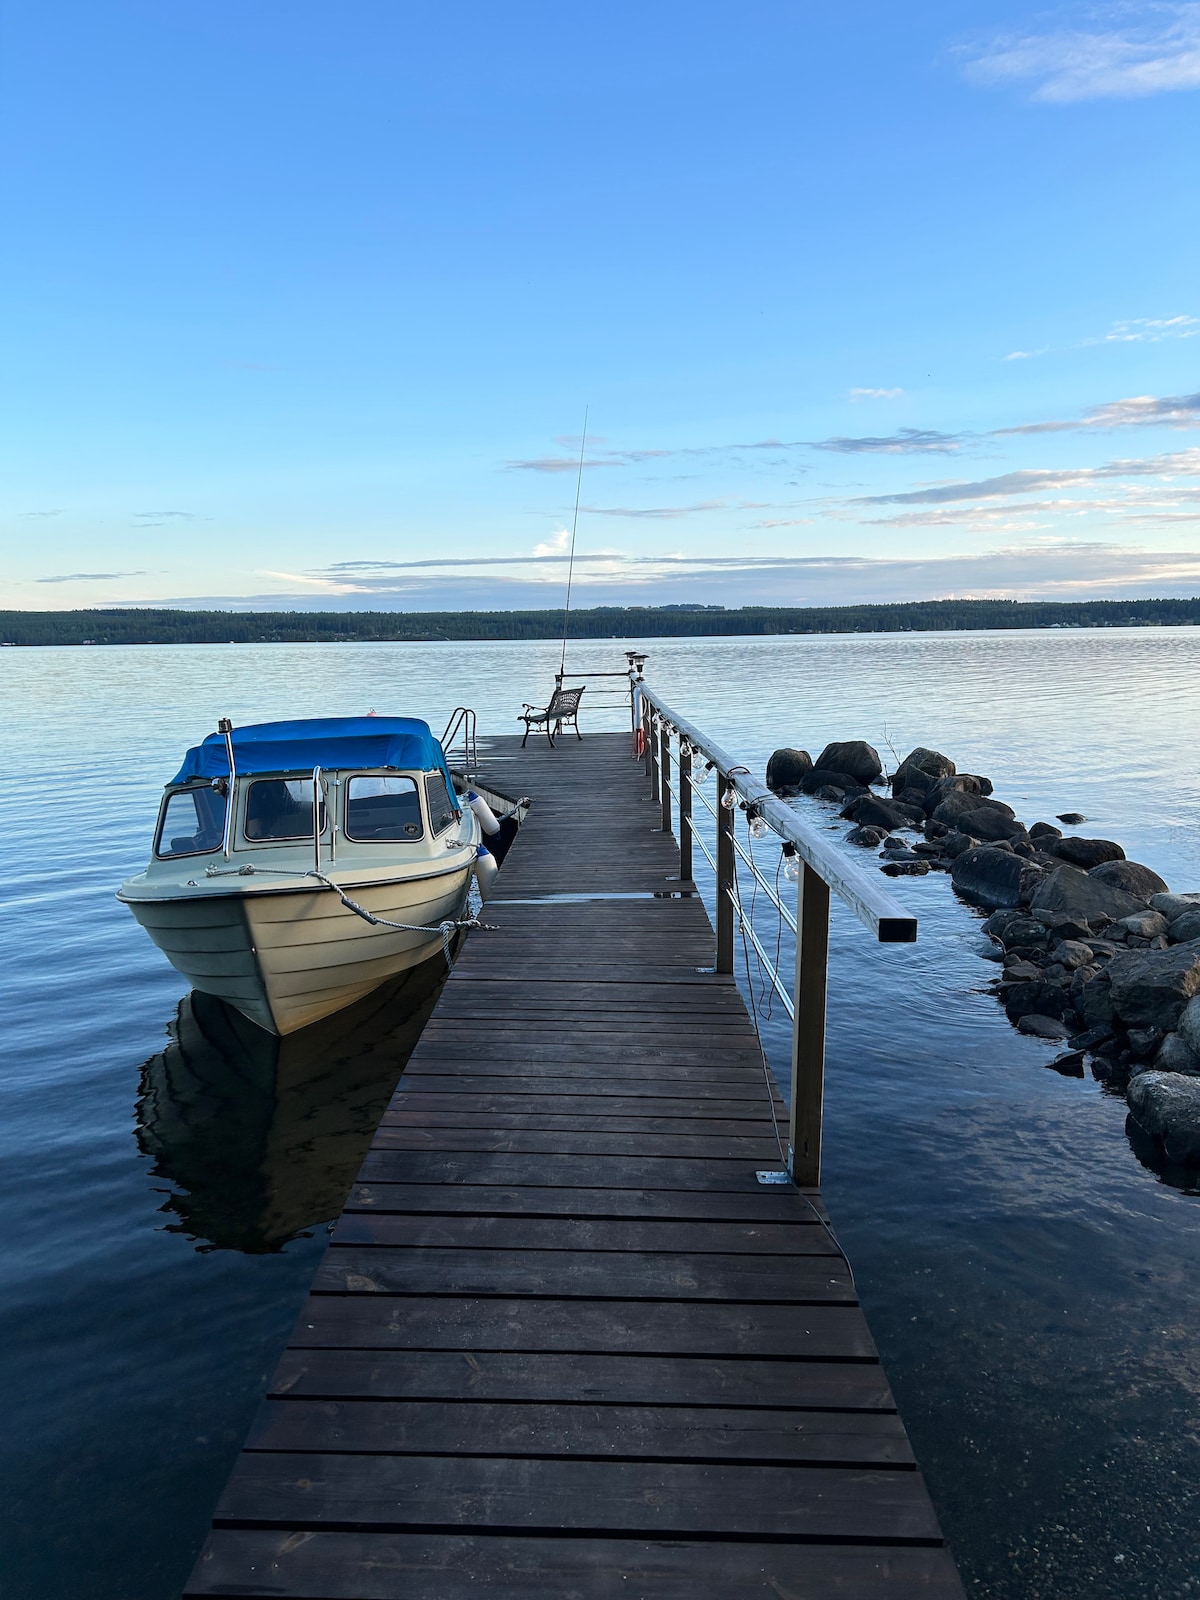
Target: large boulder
x=1040, y=998
x=989, y=877
x=1082, y=896
x=1085, y=853
x=1174, y=905
x=989, y=822
x=1130, y=876
x=1167, y=1104
x=1177, y=1055
x=1150, y=988
x=1045, y=830
x=920, y=769
x=956, y=804
x=1185, y=927
x=855, y=757
x=874, y=811
x=1144, y=924
x=786, y=770
x=1189, y=1025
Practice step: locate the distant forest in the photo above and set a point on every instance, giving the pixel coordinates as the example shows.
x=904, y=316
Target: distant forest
x=146, y=626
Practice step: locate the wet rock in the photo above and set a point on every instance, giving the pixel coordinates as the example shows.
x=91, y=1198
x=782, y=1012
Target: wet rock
x=1131, y=876
x=1085, y=853
x=955, y=805
x=988, y=822
x=1173, y=906
x=1167, y=1104
x=1070, y=1065
x=1177, y=1055
x=1043, y=1027
x=853, y=756
x=911, y=797
x=868, y=837
x=1022, y=971
x=1145, y=924
x=1095, y=1004
x=1185, y=927
x=1145, y=1041
x=1082, y=976
x=1091, y=1039
x=1189, y=1025
x=1020, y=930
x=1150, y=988
x=989, y=877
x=988, y=949
x=1102, y=949
x=787, y=769
x=873, y=811
x=1072, y=818
x=1060, y=925
x=1072, y=953
x=1045, y=830
x=915, y=868
x=1038, y=998
x=831, y=793
x=936, y=830
x=893, y=852
x=1080, y=895
x=955, y=843
x=920, y=769
x=822, y=778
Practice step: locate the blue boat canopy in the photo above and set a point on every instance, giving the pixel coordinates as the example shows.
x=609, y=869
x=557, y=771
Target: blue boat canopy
x=334, y=742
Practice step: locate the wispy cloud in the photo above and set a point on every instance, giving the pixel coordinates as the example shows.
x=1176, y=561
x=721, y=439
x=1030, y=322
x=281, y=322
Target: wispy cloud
x=555, y=545
x=1129, y=52
x=668, y=512
x=150, y=519
x=904, y=442
x=31, y=514
x=1142, y=410
x=90, y=577
x=1183, y=463
x=876, y=394
x=1132, y=330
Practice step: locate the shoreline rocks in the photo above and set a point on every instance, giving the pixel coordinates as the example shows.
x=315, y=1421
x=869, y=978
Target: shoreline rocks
x=1095, y=950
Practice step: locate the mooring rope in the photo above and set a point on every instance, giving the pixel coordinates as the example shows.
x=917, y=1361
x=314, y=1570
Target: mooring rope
x=447, y=927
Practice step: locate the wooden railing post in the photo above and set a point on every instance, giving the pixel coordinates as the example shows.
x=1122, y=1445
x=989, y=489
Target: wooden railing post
x=808, y=1028
x=725, y=879
x=664, y=774
x=685, y=809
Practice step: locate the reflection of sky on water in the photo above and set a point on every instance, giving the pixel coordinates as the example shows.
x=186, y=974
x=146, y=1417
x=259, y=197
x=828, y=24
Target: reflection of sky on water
x=1032, y=1285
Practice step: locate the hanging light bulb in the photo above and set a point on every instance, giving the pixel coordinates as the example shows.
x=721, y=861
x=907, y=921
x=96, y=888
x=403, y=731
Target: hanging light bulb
x=758, y=825
x=701, y=769
x=792, y=865
x=729, y=799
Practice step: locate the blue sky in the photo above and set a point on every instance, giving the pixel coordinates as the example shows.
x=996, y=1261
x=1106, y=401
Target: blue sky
x=303, y=305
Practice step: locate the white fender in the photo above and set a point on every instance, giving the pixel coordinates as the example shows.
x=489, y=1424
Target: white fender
x=487, y=817
x=486, y=868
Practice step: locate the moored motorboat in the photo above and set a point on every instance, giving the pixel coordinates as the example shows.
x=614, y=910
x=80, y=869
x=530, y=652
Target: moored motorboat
x=298, y=865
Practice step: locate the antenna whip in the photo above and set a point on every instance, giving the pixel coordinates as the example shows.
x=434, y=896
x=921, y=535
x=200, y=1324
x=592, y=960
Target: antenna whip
x=562, y=665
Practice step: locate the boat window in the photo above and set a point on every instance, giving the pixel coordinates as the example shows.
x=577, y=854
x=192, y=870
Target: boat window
x=193, y=820
x=441, y=807
x=281, y=808
x=382, y=808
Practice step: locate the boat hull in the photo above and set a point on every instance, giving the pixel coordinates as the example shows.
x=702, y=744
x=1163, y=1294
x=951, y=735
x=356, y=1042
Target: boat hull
x=289, y=958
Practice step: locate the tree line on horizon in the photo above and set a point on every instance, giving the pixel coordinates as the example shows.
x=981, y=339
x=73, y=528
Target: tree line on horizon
x=145, y=625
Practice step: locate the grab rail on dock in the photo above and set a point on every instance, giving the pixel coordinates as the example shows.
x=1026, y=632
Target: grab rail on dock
x=462, y=720
x=822, y=868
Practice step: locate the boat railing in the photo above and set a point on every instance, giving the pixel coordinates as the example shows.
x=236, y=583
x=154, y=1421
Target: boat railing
x=679, y=758
x=463, y=724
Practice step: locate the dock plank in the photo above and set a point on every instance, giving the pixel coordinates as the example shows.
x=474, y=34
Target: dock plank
x=563, y=1342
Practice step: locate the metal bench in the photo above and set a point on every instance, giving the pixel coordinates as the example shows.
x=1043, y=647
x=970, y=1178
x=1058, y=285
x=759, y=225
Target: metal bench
x=563, y=708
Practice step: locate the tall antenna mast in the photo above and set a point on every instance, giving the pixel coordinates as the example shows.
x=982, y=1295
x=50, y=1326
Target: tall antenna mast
x=562, y=665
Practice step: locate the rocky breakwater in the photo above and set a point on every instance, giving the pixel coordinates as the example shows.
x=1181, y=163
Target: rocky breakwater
x=1096, y=953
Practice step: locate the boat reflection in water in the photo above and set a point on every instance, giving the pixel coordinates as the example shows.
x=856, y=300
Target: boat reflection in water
x=261, y=1137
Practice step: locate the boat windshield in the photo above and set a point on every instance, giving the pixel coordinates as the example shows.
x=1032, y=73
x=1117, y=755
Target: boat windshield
x=441, y=808
x=382, y=809
x=281, y=808
x=192, y=821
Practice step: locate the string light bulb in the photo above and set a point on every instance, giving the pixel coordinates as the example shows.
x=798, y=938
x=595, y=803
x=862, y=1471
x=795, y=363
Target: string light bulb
x=758, y=825
x=701, y=771
x=729, y=799
x=792, y=865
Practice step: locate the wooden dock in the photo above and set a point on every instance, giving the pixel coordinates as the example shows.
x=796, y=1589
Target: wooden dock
x=563, y=1342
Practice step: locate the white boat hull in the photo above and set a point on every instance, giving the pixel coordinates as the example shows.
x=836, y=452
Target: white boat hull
x=288, y=958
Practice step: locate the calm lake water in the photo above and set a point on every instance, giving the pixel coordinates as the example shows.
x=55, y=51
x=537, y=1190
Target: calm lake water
x=166, y=1180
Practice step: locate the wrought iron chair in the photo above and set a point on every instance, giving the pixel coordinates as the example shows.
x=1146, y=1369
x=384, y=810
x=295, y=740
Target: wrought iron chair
x=563, y=709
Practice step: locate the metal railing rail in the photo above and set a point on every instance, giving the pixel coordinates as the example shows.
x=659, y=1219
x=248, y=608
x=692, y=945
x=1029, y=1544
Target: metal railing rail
x=668, y=740
x=462, y=720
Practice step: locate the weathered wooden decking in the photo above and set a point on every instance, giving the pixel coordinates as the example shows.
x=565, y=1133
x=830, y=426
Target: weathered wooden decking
x=563, y=1343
